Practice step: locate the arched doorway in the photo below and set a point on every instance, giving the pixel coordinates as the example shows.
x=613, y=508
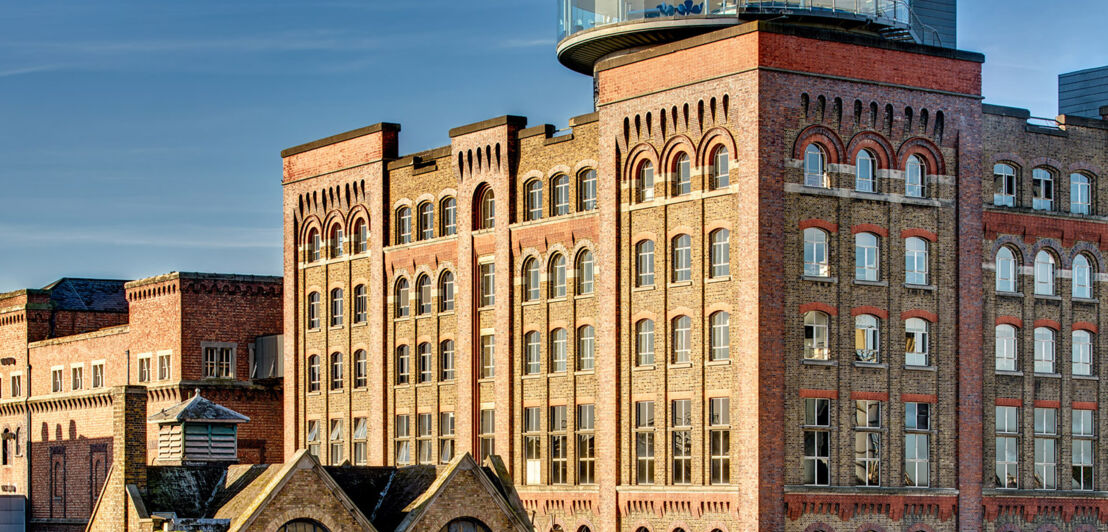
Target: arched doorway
x=302, y=525
x=465, y=524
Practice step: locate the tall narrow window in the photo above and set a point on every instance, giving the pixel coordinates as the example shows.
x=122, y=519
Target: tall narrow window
x=1044, y=350
x=1006, y=270
x=916, y=342
x=1082, y=455
x=719, y=259
x=361, y=430
x=559, y=201
x=645, y=183
x=532, y=350
x=403, y=364
x=559, y=470
x=720, y=323
x=1082, y=353
x=425, y=450
x=423, y=295
x=815, y=336
x=866, y=250
x=488, y=357
x=586, y=444
x=426, y=221
x=361, y=236
x=1081, y=199
x=531, y=280
x=814, y=174
x=403, y=225
x=361, y=304
x=867, y=339
x=558, y=351
x=314, y=245
x=682, y=179
x=335, y=242
x=1082, y=278
x=682, y=340
x=816, y=263
x=719, y=436
x=864, y=179
x=532, y=446
x=915, y=261
x=681, y=438
x=403, y=441
x=1005, y=348
x=313, y=310
x=446, y=437
x=1044, y=273
x=817, y=442
x=336, y=307
x=486, y=433
x=644, y=442
x=586, y=190
x=584, y=273
x=336, y=442
x=1046, y=455
x=682, y=258
x=336, y=371
x=867, y=443
x=586, y=348
x=361, y=369
x=1004, y=185
x=533, y=192
x=486, y=209
x=449, y=216
x=446, y=356
x=426, y=362
x=556, y=276
x=446, y=292
x=313, y=373
x=313, y=437
x=720, y=170
x=1042, y=190
x=644, y=343
x=401, y=294
x=915, y=178
x=644, y=263
x=917, y=456
x=487, y=275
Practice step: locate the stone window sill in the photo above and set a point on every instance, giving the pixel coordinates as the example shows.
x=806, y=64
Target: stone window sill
x=819, y=362
x=1086, y=377
x=1010, y=294
x=1009, y=373
x=863, y=282
x=642, y=288
x=1048, y=375
x=928, y=287
x=1047, y=297
x=1086, y=301
x=875, y=365
x=831, y=280
x=648, y=367
x=920, y=368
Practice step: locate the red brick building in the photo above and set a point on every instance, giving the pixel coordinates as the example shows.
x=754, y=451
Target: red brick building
x=63, y=348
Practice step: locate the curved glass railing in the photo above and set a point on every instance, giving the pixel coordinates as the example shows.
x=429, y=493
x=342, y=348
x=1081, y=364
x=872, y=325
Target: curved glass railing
x=575, y=16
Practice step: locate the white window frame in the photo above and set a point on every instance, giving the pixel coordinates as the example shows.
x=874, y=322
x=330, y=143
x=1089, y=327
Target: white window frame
x=1045, y=350
x=1006, y=270
x=917, y=335
x=916, y=261
x=867, y=253
x=204, y=346
x=867, y=339
x=1042, y=189
x=1082, y=352
x=816, y=253
x=1004, y=185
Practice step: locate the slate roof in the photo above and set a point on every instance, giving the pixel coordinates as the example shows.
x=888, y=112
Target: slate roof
x=383, y=493
x=197, y=409
x=105, y=295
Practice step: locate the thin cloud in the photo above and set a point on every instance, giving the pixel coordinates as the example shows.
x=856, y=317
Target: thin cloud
x=167, y=237
x=28, y=70
x=525, y=43
x=248, y=44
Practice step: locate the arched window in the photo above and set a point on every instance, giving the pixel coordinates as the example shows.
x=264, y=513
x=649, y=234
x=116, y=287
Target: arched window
x=586, y=347
x=1044, y=350
x=335, y=241
x=446, y=355
x=336, y=307
x=584, y=273
x=1082, y=277
x=645, y=182
x=1006, y=271
x=559, y=195
x=915, y=261
x=682, y=258
x=426, y=221
x=401, y=296
x=336, y=371
x=361, y=236
x=867, y=339
x=449, y=218
x=719, y=254
x=1005, y=348
x=816, y=341
x=682, y=179
x=1042, y=189
x=446, y=292
x=1004, y=185
x=486, y=208
x=532, y=351
x=644, y=343
x=556, y=276
x=313, y=310
x=467, y=524
x=1044, y=273
x=426, y=364
x=532, y=191
x=681, y=345
x=866, y=255
x=361, y=369
x=403, y=225
x=720, y=323
x=314, y=244
x=558, y=351
x=720, y=170
x=423, y=295
x=816, y=263
x=584, y=529
x=361, y=304
x=302, y=525
x=916, y=342
x=644, y=263
x=313, y=373
x=915, y=178
x=814, y=174
x=1081, y=194
x=531, y=280
x=403, y=364
x=864, y=174
x=1082, y=353
x=586, y=190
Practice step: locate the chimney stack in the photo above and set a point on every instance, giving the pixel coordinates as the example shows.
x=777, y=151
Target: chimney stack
x=129, y=434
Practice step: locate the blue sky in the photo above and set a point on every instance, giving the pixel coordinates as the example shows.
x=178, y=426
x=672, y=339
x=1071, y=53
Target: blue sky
x=138, y=138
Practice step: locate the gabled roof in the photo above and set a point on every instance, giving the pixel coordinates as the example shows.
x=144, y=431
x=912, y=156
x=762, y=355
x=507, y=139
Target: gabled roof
x=103, y=295
x=197, y=409
x=383, y=493
x=490, y=477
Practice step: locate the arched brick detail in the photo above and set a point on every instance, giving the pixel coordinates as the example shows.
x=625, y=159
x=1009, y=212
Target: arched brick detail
x=1050, y=324
x=646, y=235
x=310, y=222
x=876, y=143
x=717, y=136
x=822, y=224
x=1017, y=245
x=1050, y=163
x=1009, y=320
x=679, y=525
x=919, y=313
x=1048, y=528
x=717, y=525
x=865, y=309
x=924, y=148
x=1085, y=326
x=825, y=137
x=1010, y=159
x=357, y=212
x=1084, y=528
x=821, y=307
x=638, y=155
x=819, y=527
x=871, y=527
x=677, y=144
x=1089, y=249
x=1084, y=167
x=581, y=523
x=919, y=527
x=870, y=228
x=1054, y=247
x=921, y=233
x=642, y=525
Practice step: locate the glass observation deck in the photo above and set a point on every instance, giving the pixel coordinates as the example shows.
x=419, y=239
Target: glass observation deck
x=591, y=29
